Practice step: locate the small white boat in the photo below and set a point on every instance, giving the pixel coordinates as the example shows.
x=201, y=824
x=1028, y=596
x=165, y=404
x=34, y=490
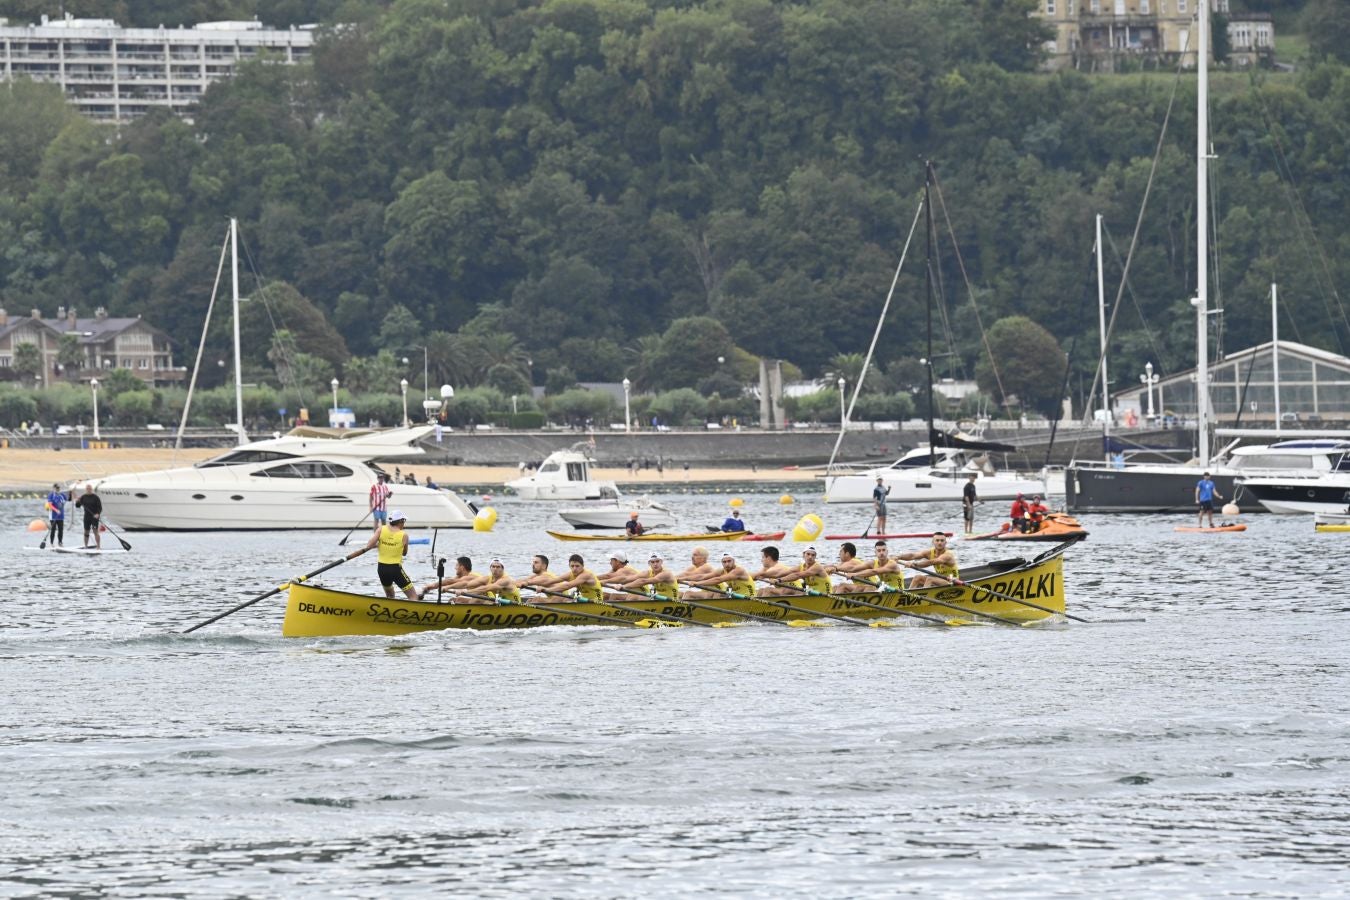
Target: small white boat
x=616, y=513
x=564, y=475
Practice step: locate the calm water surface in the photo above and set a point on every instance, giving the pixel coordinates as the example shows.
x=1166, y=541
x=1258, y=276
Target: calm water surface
x=1201, y=752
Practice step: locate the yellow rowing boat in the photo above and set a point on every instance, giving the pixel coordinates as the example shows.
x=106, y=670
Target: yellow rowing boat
x=652, y=536
x=313, y=611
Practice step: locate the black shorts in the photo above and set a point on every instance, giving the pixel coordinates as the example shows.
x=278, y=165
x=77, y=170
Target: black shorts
x=1207, y=506
x=392, y=574
x=90, y=521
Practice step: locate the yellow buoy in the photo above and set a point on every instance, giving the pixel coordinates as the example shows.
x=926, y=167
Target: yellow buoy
x=808, y=528
x=737, y=502
x=486, y=518
x=37, y=525
x=786, y=500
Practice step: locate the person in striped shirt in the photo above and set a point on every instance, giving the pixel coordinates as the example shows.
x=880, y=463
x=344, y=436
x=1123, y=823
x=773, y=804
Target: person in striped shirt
x=379, y=500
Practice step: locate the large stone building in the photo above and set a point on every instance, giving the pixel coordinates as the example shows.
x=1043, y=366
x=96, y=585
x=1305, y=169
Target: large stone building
x=1107, y=35
x=116, y=74
x=103, y=344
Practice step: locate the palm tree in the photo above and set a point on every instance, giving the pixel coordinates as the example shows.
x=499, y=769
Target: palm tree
x=646, y=352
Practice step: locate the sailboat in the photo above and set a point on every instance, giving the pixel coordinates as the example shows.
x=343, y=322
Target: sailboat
x=296, y=481
x=940, y=468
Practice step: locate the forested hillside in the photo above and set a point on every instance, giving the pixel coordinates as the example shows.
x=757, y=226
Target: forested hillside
x=559, y=182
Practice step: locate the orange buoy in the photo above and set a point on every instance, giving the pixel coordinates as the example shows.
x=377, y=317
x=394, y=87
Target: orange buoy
x=37, y=525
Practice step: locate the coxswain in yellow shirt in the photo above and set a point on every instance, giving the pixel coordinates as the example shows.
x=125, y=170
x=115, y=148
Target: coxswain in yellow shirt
x=392, y=542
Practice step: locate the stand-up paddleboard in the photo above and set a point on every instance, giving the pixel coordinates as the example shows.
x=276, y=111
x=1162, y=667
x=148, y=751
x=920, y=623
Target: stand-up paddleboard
x=1217, y=529
x=915, y=535
x=87, y=551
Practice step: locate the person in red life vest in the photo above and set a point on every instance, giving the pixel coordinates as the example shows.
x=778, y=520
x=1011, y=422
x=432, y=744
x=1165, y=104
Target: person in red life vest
x=1036, y=511
x=1018, y=514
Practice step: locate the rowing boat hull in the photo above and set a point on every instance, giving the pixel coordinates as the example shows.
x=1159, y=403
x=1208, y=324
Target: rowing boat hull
x=666, y=538
x=313, y=611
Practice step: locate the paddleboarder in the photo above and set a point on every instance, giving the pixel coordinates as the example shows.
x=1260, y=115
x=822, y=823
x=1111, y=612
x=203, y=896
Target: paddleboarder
x=1205, y=492
x=92, y=505
x=969, y=497
x=879, y=494
x=56, y=515
x=392, y=542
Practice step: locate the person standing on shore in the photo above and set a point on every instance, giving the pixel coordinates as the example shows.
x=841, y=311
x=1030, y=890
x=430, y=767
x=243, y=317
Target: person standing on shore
x=92, y=504
x=968, y=500
x=56, y=516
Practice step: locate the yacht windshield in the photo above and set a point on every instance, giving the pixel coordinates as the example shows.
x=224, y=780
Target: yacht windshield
x=243, y=457
x=306, y=469
x=1273, y=461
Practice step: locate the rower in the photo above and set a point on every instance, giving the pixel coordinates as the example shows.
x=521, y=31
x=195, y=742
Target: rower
x=633, y=527
x=500, y=585
x=940, y=559
x=465, y=578
x=850, y=565
x=540, y=576
x=659, y=581
x=886, y=570
x=620, y=574
x=699, y=567
x=811, y=573
x=731, y=578
x=773, y=570
x=583, y=584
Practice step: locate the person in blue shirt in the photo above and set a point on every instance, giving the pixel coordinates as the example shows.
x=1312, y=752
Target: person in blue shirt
x=1205, y=492
x=56, y=509
x=733, y=521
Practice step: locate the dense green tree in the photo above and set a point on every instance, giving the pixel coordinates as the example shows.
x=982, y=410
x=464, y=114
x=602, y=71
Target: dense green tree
x=1327, y=25
x=1031, y=365
x=27, y=360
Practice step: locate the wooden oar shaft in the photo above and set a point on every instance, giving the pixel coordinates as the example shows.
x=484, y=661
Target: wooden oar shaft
x=1008, y=597
x=666, y=617
x=926, y=599
x=273, y=592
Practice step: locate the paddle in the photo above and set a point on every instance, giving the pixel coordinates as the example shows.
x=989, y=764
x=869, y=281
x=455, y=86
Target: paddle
x=773, y=602
x=98, y=521
x=869, y=526
x=274, y=591
x=343, y=542
x=632, y=609
x=1008, y=597
x=51, y=535
x=783, y=603
x=926, y=599
x=709, y=607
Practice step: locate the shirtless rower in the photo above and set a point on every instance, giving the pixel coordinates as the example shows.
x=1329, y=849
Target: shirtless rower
x=773, y=570
x=540, y=576
x=850, y=565
x=463, y=578
x=699, y=567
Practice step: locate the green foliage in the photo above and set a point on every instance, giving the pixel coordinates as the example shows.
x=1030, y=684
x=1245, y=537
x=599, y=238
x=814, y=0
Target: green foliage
x=578, y=407
x=682, y=406
x=27, y=360
x=16, y=407
x=1327, y=25
x=114, y=382
x=1031, y=365
x=372, y=373
x=69, y=354
x=559, y=380
x=133, y=408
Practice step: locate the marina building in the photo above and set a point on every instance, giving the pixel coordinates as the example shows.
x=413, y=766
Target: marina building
x=115, y=74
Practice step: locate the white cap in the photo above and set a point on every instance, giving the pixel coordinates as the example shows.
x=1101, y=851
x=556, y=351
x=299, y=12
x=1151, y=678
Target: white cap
x=655, y=557
x=396, y=515
x=619, y=555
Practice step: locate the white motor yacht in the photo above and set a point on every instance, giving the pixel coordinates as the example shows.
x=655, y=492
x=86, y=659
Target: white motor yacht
x=922, y=475
x=616, y=513
x=1322, y=487
x=302, y=480
x=564, y=475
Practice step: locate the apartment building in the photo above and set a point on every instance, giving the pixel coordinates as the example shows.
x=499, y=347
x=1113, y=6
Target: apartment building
x=1105, y=35
x=115, y=74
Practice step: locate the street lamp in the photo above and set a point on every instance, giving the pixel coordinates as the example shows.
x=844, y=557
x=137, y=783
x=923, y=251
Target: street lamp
x=840, y=382
x=1149, y=380
x=334, y=383
x=627, y=419
x=93, y=385
x=403, y=386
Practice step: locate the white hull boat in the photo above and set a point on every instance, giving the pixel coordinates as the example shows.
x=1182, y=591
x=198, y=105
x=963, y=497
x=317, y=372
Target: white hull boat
x=563, y=475
x=616, y=514
x=911, y=479
x=295, y=482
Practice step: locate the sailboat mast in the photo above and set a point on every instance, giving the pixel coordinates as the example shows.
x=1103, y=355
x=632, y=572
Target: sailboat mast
x=928, y=293
x=1275, y=348
x=1101, y=323
x=1202, y=235
x=238, y=371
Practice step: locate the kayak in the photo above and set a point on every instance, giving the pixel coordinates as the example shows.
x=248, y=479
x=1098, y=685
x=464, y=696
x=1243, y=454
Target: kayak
x=1055, y=527
x=1193, y=529
x=994, y=588
x=718, y=536
x=924, y=535
x=1332, y=527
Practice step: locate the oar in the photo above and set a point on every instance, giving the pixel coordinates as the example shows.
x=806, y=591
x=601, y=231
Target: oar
x=711, y=608
x=343, y=542
x=550, y=607
x=783, y=603
x=274, y=591
x=1008, y=597
x=927, y=599
x=98, y=521
x=787, y=605
x=633, y=609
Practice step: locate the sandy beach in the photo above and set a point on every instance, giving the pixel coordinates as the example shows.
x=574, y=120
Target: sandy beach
x=28, y=470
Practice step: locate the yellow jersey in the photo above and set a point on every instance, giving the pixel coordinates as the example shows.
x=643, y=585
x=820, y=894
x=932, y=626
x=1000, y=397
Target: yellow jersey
x=743, y=586
x=667, y=589
x=391, y=545
x=893, y=580
x=948, y=569
x=818, y=583
x=511, y=593
x=592, y=591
